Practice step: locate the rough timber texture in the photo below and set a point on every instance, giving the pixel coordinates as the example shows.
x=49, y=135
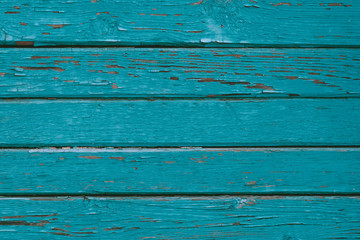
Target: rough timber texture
x=278, y=119
x=264, y=122
x=179, y=22
x=186, y=170
x=151, y=72
x=273, y=218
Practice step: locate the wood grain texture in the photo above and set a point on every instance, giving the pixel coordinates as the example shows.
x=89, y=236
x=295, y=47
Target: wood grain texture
x=179, y=23
x=238, y=217
x=186, y=170
x=130, y=72
x=265, y=122
x=298, y=103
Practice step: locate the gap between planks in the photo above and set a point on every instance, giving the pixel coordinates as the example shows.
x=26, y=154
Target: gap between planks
x=169, y=194
x=59, y=149
x=233, y=97
x=31, y=44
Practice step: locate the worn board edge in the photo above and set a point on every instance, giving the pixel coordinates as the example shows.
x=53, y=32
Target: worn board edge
x=179, y=73
x=180, y=45
x=111, y=171
x=226, y=217
x=120, y=123
x=177, y=22
x=84, y=171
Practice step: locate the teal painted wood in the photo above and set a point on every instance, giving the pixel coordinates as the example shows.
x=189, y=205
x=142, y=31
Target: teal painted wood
x=129, y=72
x=179, y=23
x=238, y=217
x=264, y=122
x=186, y=170
x=296, y=108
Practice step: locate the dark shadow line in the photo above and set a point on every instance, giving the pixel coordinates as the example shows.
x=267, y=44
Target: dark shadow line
x=196, y=194
x=233, y=97
x=31, y=44
x=189, y=147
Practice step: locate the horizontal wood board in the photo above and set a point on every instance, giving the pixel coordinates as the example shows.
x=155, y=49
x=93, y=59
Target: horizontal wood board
x=181, y=170
x=262, y=122
x=241, y=217
x=180, y=22
x=186, y=72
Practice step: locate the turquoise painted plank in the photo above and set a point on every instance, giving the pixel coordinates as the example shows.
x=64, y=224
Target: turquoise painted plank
x=179, y=23
x=240, y=217
x=180, y=170
x=261, y=122
x=151, y=72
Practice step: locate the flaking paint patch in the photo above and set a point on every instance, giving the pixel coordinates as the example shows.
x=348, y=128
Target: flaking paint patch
x=251, y=183
x=117, y=158
x=260, y=86
x=40, y=223
x=57, y=26
x=26, y=216
x=281, y=4
x=24, y=43
x=197, y=3
x=90, y=157
x=58, y=69
x=113, y=228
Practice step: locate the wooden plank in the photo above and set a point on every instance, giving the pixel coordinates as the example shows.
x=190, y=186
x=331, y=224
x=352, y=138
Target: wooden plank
x=180, y=170
x=113, y=123
x=241, y=217
x=129, y=72
x=179, y=23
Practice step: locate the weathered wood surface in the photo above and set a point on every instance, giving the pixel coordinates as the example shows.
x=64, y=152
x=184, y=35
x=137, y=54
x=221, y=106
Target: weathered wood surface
x=262, y=122
x=182, y=170
x=151, y=72
x=238, y=217
x=179, y=23
x=299, y=106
